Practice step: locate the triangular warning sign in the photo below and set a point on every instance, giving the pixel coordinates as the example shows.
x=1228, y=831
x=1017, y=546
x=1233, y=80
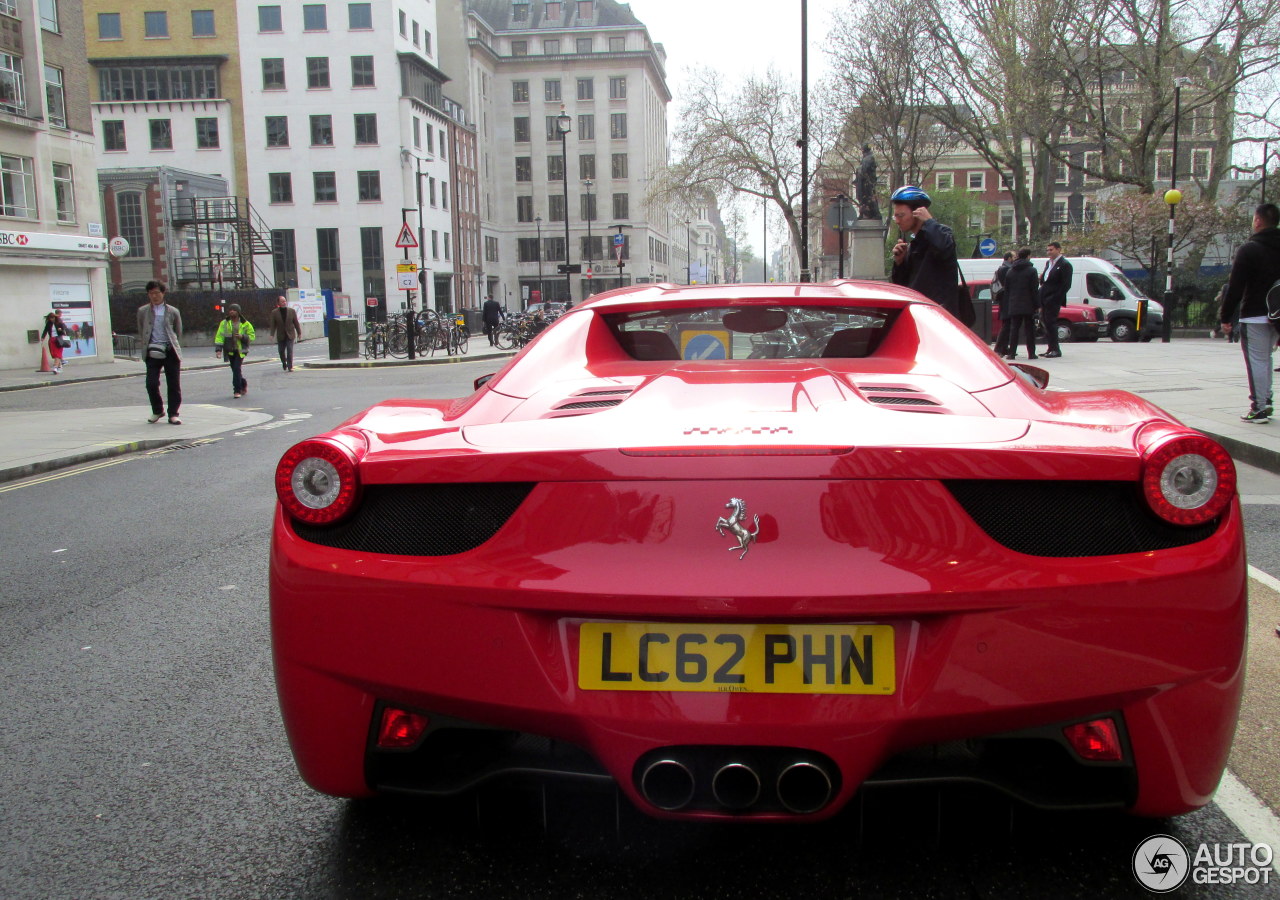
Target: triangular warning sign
x=406, y=238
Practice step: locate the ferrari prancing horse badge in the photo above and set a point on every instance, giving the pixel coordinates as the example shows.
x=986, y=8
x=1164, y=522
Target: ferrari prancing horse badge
x=735, y=526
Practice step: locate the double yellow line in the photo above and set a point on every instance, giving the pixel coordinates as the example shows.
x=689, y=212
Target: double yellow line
x=93, y=467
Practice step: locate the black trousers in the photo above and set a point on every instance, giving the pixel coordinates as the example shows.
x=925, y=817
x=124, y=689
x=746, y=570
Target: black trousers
x=1049, y=315
x=1020, y=323
x=172, y=367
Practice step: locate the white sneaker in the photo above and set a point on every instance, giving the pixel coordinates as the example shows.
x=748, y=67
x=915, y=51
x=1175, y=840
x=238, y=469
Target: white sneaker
x=155, y=418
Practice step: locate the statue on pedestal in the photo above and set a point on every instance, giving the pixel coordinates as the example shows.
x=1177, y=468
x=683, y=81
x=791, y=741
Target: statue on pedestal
x=868, y=207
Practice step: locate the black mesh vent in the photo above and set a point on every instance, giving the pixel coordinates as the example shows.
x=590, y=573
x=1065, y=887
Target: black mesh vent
x=422, y=519
x=902, y=401
x=1071, y=518
x=590, y=404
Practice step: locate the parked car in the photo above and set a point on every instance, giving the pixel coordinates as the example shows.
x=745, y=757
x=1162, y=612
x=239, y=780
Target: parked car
x=742, y=587
x=1094, y=282
x=1076, y=322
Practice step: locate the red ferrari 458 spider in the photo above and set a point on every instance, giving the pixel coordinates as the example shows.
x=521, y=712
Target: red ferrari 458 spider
x=741, y=550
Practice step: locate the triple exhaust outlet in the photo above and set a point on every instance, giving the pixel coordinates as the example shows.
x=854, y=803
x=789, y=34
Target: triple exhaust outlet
x=799, y=786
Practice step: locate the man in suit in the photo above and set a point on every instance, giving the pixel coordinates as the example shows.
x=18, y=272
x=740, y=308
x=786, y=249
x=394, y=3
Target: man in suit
x=492, y=314
x=160, y=333
x=284, y=325
x=924, y=259
x=1054, y=285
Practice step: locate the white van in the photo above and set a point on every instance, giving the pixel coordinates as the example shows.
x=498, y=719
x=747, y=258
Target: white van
x=1094, y=282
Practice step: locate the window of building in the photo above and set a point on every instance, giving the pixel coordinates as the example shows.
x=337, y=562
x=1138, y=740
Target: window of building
x=553, y=247
x=520, y=11
x=1090, y=212
x=617, y=44
x=617, y=126
x=1060, y=212
x=109, y=27
x=593, y=247
x=519, y=48
x=317, y=72
x=161, y=134
x=362, y=72
x=113, y=135
x=284, y=256
x=527, y=250
x=550, y=48
x=417, y=133
x=619, y=165
x=586, y=9
x=273, y=75
x=555, y=168
x=404, y=23
x=435, y=244
x=207, y=134
x=586, y=88
x=521, y=129
x=417, y=34
x=444, y=194
x=269, y=19
x=944, y=181
x=371, y=258
x=553, y=130
x=330, y=261
x=277, y=131
x=1092, y=163
x=426, y=42
x=1060, y=173
x=431, y=190
x=1006, y=222
x=64, y=193
x=49, y=15
x=621, y=206
x=55, y=97
x=582, y=45
x=366, y=128
x=618, y=87
x=322, y=131
x=130, y=222
x=202, y=23
x=280, y=185
x=1164, y=165
x=156, y=24
x=586, y=166
x=176, y=81
x=326, y=186
x=446, y=245
x=524, y=168
x=490, y=249
x=443, y=154
x=977, y=181
x=551, y=89
x=360, y=16
x=315, y=17
x=431, y=142
x=1006, y=181
x=1201, y=162
x=524, y=209
x=369, y=186
x=586, y=128
x=552, y=9
x=519, y=92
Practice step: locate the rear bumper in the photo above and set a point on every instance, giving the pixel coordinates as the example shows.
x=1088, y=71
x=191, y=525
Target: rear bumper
x=988, y=642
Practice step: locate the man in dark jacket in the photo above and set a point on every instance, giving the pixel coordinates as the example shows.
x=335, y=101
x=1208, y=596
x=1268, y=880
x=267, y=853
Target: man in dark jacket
x=492, y=314
x=1254, y=270
x=1021, y=296
x=1054, y=285
x=925, y=258
x=997, y=297
x=284, y=325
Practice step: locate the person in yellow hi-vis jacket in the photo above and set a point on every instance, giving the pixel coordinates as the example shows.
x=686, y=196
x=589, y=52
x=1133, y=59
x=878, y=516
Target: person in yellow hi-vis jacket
x=232, y=341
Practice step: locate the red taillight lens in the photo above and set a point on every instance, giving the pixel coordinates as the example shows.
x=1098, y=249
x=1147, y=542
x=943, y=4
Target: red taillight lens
x=316, y=482
x=1097, y=741
x=400, y=729
x=1188, y=480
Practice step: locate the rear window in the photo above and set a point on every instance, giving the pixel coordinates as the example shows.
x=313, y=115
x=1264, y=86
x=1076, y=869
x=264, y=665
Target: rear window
x=752, y=332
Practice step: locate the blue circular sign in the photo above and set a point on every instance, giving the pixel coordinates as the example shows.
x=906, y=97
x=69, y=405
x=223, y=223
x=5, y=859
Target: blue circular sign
x=704, y=346
x=619, y=240
x=987, y=247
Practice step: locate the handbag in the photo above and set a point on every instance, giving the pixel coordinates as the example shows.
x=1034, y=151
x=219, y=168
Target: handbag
x=965, y=311
x=64, y=341
x=157, y=351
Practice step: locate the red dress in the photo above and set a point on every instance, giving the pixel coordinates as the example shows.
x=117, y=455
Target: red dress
x=55, y=349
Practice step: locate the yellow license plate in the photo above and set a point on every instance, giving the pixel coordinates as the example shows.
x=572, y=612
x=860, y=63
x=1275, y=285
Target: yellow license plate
x=771, y=659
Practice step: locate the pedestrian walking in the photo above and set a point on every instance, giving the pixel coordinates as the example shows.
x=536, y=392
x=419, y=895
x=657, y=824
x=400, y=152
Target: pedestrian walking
x=55, y=333
x=1254, y=270
x=924, y=259
x=997, y=296
x=284, y=326
x=1022, y=296
x=235, y=335
x=492, y=313
x=160, y=331
x=1054, y=285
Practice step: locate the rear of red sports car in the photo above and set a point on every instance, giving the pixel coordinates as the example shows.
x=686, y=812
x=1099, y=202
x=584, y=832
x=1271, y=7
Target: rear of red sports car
x=741, y=551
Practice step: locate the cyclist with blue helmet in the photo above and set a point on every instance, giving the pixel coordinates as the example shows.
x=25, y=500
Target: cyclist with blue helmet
x=924, y=259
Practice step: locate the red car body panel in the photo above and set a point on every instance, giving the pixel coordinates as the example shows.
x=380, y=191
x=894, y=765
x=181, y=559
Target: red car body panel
x=855, y=524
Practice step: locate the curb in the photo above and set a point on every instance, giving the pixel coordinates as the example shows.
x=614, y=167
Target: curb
x=87, y=379
x=1251, y=454
x=65, y=462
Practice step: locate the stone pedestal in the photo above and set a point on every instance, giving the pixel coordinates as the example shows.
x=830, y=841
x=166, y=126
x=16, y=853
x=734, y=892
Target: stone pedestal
x=866, y=254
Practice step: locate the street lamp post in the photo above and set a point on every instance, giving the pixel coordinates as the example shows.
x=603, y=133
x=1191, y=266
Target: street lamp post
x=687, y=258
x=1173, y=197
x=841, y=200
x=590, y=250
x=805, y=275
x=764, y=249
x=311, y=281
x=538, y=221
x=1266, y=151
x=562, y=126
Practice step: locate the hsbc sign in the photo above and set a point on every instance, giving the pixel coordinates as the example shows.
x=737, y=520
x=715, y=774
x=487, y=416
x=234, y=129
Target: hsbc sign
x=38, y=240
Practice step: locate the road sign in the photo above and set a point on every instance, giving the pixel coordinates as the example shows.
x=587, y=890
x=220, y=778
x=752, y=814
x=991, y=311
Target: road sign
x=619, y=240
x=569, y=268
x=407, y=281
x=370, y=301
x=987, y=247
x=118, y=246
x=843, y=217
x=704, y=343
x=406, y=267
x=406, y=238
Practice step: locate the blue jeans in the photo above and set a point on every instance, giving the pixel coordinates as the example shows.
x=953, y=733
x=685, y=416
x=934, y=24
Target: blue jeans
x=237, y=380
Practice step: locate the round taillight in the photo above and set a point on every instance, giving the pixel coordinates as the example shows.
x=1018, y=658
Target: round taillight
x=317, y=483
x=1188, y=480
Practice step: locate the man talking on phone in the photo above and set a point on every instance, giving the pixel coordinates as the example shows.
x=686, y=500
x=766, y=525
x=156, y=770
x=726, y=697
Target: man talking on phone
x=924, y=259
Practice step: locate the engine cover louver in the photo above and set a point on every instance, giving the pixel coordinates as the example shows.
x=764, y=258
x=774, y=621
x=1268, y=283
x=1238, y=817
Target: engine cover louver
x=581, y=403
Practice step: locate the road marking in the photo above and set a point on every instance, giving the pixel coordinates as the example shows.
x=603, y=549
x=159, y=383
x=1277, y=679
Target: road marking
x=1255, y=819
x=67, y=473
x=1258, y=575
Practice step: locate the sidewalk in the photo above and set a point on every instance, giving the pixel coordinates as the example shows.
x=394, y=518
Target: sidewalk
x=1198, y=380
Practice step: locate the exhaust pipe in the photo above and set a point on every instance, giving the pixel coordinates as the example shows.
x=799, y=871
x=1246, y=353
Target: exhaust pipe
x=804, y=787
x=736, y=786
x=667, y=784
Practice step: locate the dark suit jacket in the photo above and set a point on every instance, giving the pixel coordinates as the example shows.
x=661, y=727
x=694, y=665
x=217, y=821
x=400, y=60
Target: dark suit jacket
x=1021, y=290
x=930, y=265
x=1053, y=289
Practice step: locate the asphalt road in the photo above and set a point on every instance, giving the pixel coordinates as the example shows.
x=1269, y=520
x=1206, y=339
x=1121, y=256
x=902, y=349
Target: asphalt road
x=142, y=754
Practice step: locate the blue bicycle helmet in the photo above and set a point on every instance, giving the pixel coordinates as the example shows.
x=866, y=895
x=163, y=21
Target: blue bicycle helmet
x=910, y=195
